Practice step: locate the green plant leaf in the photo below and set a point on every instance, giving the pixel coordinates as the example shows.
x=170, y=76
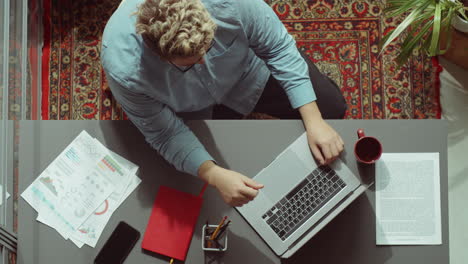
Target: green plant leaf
x=449, y=41
x=411, y=43
x=462, y=12
x=406, y=22
x=415, y=28
x=398, y=8
x=426, y=44
x=447, y=30
x=436, y=30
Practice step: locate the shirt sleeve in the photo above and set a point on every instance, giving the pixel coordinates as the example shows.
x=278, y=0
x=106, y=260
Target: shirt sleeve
x=271, y=42
x=162, y=129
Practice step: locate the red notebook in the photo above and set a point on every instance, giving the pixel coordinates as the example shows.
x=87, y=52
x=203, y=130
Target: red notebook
x=172, y=221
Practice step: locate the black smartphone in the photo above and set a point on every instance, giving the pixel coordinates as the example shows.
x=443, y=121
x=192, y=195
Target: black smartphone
x=119, y=245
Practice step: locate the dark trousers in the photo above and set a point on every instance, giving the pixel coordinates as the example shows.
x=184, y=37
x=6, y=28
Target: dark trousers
x=274, y=100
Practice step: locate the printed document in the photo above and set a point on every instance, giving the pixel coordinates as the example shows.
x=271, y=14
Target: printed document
x=78, y=192
x=408, y=199
x=74, y=184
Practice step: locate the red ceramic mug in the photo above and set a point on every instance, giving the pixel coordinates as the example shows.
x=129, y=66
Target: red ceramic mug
x=367, y=149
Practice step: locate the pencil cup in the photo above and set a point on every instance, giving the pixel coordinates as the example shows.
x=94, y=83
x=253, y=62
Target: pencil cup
x=219, y=244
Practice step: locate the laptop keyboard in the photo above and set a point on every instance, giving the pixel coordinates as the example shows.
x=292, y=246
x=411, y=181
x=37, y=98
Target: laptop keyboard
x=303, y=201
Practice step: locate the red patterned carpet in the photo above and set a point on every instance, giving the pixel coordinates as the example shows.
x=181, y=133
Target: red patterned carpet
x=341, y=37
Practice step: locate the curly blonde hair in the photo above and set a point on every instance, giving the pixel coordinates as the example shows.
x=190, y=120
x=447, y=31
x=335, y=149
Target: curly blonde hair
x=175, y=28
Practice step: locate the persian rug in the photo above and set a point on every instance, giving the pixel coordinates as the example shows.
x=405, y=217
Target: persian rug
x=341, y=37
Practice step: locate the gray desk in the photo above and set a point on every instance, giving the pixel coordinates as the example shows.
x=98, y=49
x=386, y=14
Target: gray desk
x=246, y=146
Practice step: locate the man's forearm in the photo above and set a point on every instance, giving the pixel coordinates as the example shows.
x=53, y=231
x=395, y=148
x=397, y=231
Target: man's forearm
x=205, y=171
x=310, y=114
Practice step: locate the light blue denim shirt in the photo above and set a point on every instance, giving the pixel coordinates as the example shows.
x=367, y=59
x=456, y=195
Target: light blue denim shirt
x=250, y=43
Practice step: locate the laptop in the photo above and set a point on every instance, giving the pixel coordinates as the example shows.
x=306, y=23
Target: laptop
x=300, y=198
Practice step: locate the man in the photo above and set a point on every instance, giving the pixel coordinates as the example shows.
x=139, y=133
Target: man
x=165, y=58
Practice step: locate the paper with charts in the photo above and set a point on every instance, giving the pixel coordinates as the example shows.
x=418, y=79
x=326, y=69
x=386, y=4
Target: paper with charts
x=407, y=199
x=78, y=192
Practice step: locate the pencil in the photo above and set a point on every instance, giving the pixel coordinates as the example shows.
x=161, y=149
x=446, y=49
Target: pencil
x=215, y=232
x=221, y=231
x=217, y=228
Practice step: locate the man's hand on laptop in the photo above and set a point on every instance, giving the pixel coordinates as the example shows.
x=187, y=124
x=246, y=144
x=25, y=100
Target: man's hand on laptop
x=325, y=144
x=235, y=189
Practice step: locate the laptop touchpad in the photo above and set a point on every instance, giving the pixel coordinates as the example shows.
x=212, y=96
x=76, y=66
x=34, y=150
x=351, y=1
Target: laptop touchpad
x=282, y=175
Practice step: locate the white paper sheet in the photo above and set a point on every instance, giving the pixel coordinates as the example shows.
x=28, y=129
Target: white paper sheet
x=77, y=243
x=97, y=174
x=70, y=189
x=408, y=199
x=75, y=184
